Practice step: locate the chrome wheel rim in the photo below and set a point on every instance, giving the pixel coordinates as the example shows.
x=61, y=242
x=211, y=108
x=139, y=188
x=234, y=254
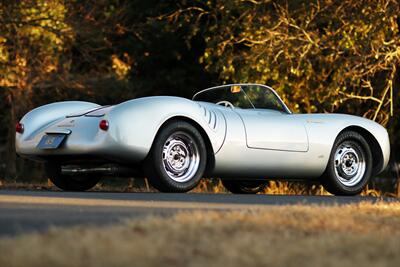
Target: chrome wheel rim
x=350, y=165
x=180, y=157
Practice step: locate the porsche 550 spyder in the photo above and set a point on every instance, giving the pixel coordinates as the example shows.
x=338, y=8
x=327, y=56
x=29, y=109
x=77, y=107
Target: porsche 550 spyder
x=241, y=133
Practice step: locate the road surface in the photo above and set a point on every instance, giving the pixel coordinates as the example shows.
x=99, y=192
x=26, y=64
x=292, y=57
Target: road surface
x=27, y=211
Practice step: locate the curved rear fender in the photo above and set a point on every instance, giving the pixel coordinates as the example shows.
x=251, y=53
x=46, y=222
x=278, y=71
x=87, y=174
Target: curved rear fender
x=43, y=116
x=135, y=123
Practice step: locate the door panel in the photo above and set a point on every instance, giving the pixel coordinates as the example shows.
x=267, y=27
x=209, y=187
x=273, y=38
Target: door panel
x=268, y=129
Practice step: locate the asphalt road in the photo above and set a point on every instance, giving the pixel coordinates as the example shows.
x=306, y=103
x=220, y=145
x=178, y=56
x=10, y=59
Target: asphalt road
x=28, y=211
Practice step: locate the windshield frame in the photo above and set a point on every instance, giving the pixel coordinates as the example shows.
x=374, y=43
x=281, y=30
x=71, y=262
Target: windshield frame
x=246, y=84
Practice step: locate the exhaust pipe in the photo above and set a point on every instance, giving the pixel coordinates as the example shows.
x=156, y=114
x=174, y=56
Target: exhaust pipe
x=103, y=170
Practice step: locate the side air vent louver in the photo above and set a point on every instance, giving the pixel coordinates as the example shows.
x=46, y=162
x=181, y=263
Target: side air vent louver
x=210, y=117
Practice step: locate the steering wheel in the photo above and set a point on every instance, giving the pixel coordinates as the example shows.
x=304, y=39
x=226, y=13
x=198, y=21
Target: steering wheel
x=225, y=104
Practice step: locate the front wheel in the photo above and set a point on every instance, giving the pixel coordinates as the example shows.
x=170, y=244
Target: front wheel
x=244, y=187
x=177, y=159
x=350, y=165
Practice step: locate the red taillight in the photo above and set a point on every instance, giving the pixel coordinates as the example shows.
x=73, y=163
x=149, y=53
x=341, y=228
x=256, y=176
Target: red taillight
x=19, y=128
x=103, y=125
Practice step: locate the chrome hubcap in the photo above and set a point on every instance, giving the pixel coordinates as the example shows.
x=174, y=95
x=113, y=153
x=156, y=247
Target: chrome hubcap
x=350, y=164
x=181, y=158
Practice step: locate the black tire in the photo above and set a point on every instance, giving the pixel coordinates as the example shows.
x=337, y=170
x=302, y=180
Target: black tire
x=177, y=143
x=244, y=187
x=69, y=182
x=346, y=176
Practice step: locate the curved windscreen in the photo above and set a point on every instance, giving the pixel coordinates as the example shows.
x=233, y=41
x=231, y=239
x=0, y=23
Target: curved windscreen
x=233, y=95
x=243, y=96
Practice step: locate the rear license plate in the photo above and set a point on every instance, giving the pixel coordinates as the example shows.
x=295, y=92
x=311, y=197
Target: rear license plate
x=51, y=141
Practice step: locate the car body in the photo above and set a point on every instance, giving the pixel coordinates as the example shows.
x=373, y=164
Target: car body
x=255, y=138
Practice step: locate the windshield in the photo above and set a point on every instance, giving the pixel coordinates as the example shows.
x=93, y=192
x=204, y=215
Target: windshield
x=233, y=95
x=247, y=96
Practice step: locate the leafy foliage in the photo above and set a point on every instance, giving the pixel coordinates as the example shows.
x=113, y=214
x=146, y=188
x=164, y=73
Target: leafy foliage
x=320, y=55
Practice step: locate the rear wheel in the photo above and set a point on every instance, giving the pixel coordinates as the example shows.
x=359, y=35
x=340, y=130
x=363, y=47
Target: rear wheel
x=350, y=165
x=177, y=159
x=70, y=182
x=244, y=187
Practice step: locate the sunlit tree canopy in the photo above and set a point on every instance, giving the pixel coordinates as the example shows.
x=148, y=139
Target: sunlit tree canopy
x=320, y=55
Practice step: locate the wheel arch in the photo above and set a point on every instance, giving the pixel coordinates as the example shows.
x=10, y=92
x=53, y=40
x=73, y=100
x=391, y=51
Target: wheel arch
x=209, y=149
x=376, y=150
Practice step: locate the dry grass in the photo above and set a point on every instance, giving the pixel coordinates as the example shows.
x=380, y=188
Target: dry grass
x=205, y=186
x=353, y=235
x=283, y=188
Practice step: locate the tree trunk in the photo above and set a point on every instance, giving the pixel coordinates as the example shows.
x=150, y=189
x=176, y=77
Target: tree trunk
x=398, y=180
x=11, y=166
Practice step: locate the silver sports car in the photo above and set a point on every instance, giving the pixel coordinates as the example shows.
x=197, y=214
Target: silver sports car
x=241, y=133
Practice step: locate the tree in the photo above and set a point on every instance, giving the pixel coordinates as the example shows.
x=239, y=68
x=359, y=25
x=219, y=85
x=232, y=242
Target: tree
x=321, y=56
x=33, y=35
x=103, y=51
